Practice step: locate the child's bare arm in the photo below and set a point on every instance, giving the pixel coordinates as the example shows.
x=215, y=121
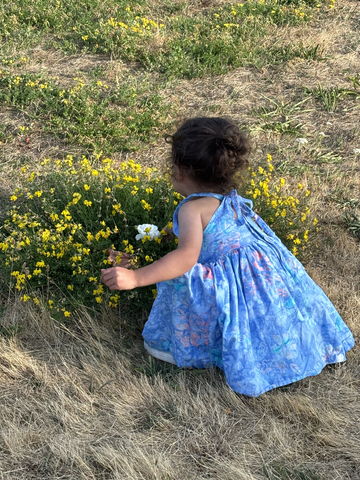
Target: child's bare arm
x=173, y=265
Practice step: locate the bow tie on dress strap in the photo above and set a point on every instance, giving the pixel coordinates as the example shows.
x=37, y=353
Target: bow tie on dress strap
x=242, y=206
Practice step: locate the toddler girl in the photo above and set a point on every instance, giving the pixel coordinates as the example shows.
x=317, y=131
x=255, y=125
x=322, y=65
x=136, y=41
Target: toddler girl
x=231, y=295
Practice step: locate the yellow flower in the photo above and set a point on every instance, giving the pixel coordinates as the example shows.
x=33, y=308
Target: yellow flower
x=300, y=186
x=282, y=182
x=70, y=287
x=315, y=221
x=88, y=203
x=129, y=249
x=146, y=206
x=25, y=298
x=283, y=213
x=67, y=314
x=13, y=198
x=38, y=193
x=86, y=187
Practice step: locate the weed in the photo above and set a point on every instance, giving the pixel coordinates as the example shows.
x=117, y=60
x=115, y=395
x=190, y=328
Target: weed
x=10, y=331
x=281, y=108
x=154, y=367
x=5, y=135
x=291, y=51
x=329, y=157
x=329, y=97
x=286, y=127
x=282, y=472
x=355, y=80
x=352, y=223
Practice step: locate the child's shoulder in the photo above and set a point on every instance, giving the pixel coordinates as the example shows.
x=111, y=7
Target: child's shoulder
x=205, y=207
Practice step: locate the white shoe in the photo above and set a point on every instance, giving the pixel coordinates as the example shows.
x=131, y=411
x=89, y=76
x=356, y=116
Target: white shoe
x=164, y=356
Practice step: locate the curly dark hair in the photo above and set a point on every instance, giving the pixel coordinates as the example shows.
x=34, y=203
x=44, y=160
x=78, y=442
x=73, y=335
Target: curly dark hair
x=212, y=150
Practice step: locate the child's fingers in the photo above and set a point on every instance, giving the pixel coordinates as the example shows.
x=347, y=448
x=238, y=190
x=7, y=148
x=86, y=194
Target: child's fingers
x=117, y=278
x=109, y=277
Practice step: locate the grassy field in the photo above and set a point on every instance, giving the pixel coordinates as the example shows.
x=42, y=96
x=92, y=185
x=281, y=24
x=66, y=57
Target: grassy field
x=79, y=397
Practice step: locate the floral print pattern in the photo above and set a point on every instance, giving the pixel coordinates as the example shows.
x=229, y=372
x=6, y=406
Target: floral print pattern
x=247, y=306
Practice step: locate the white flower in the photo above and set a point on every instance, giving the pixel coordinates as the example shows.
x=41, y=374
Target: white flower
x=301, y=141
x=356, y=150
x=147, y=229
x=322, y=134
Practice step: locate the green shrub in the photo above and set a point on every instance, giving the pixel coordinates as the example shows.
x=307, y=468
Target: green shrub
x=66, y=217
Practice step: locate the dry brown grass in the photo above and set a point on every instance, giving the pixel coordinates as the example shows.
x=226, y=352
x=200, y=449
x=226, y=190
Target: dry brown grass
x=83, y=401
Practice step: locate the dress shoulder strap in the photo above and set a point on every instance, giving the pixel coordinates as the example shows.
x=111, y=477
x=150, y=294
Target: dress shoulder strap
x=243, y=207
x=193, y=195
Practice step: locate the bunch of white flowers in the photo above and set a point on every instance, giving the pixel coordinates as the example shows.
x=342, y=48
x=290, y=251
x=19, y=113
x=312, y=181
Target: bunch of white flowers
x=147, y=229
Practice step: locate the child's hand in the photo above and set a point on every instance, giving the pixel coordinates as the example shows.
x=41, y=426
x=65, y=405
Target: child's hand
x=118, y=278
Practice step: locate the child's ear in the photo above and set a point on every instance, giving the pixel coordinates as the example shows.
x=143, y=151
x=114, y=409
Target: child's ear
x=177, y=173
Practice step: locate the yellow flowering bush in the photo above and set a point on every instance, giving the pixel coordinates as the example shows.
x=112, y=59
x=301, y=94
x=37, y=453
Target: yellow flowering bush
x=287, y=215
x=68, y=213
x=65, y=217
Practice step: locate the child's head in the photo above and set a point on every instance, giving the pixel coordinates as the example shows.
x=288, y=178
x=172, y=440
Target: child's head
x=212, y=151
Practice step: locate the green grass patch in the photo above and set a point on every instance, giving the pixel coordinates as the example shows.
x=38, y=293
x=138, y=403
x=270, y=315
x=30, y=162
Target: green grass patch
x=160, y=37
x=94, y=115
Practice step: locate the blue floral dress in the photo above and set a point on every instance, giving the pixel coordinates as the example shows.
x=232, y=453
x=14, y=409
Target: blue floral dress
x=247, y=306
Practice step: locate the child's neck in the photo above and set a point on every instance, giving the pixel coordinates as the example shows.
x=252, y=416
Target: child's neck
x=189, y=187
